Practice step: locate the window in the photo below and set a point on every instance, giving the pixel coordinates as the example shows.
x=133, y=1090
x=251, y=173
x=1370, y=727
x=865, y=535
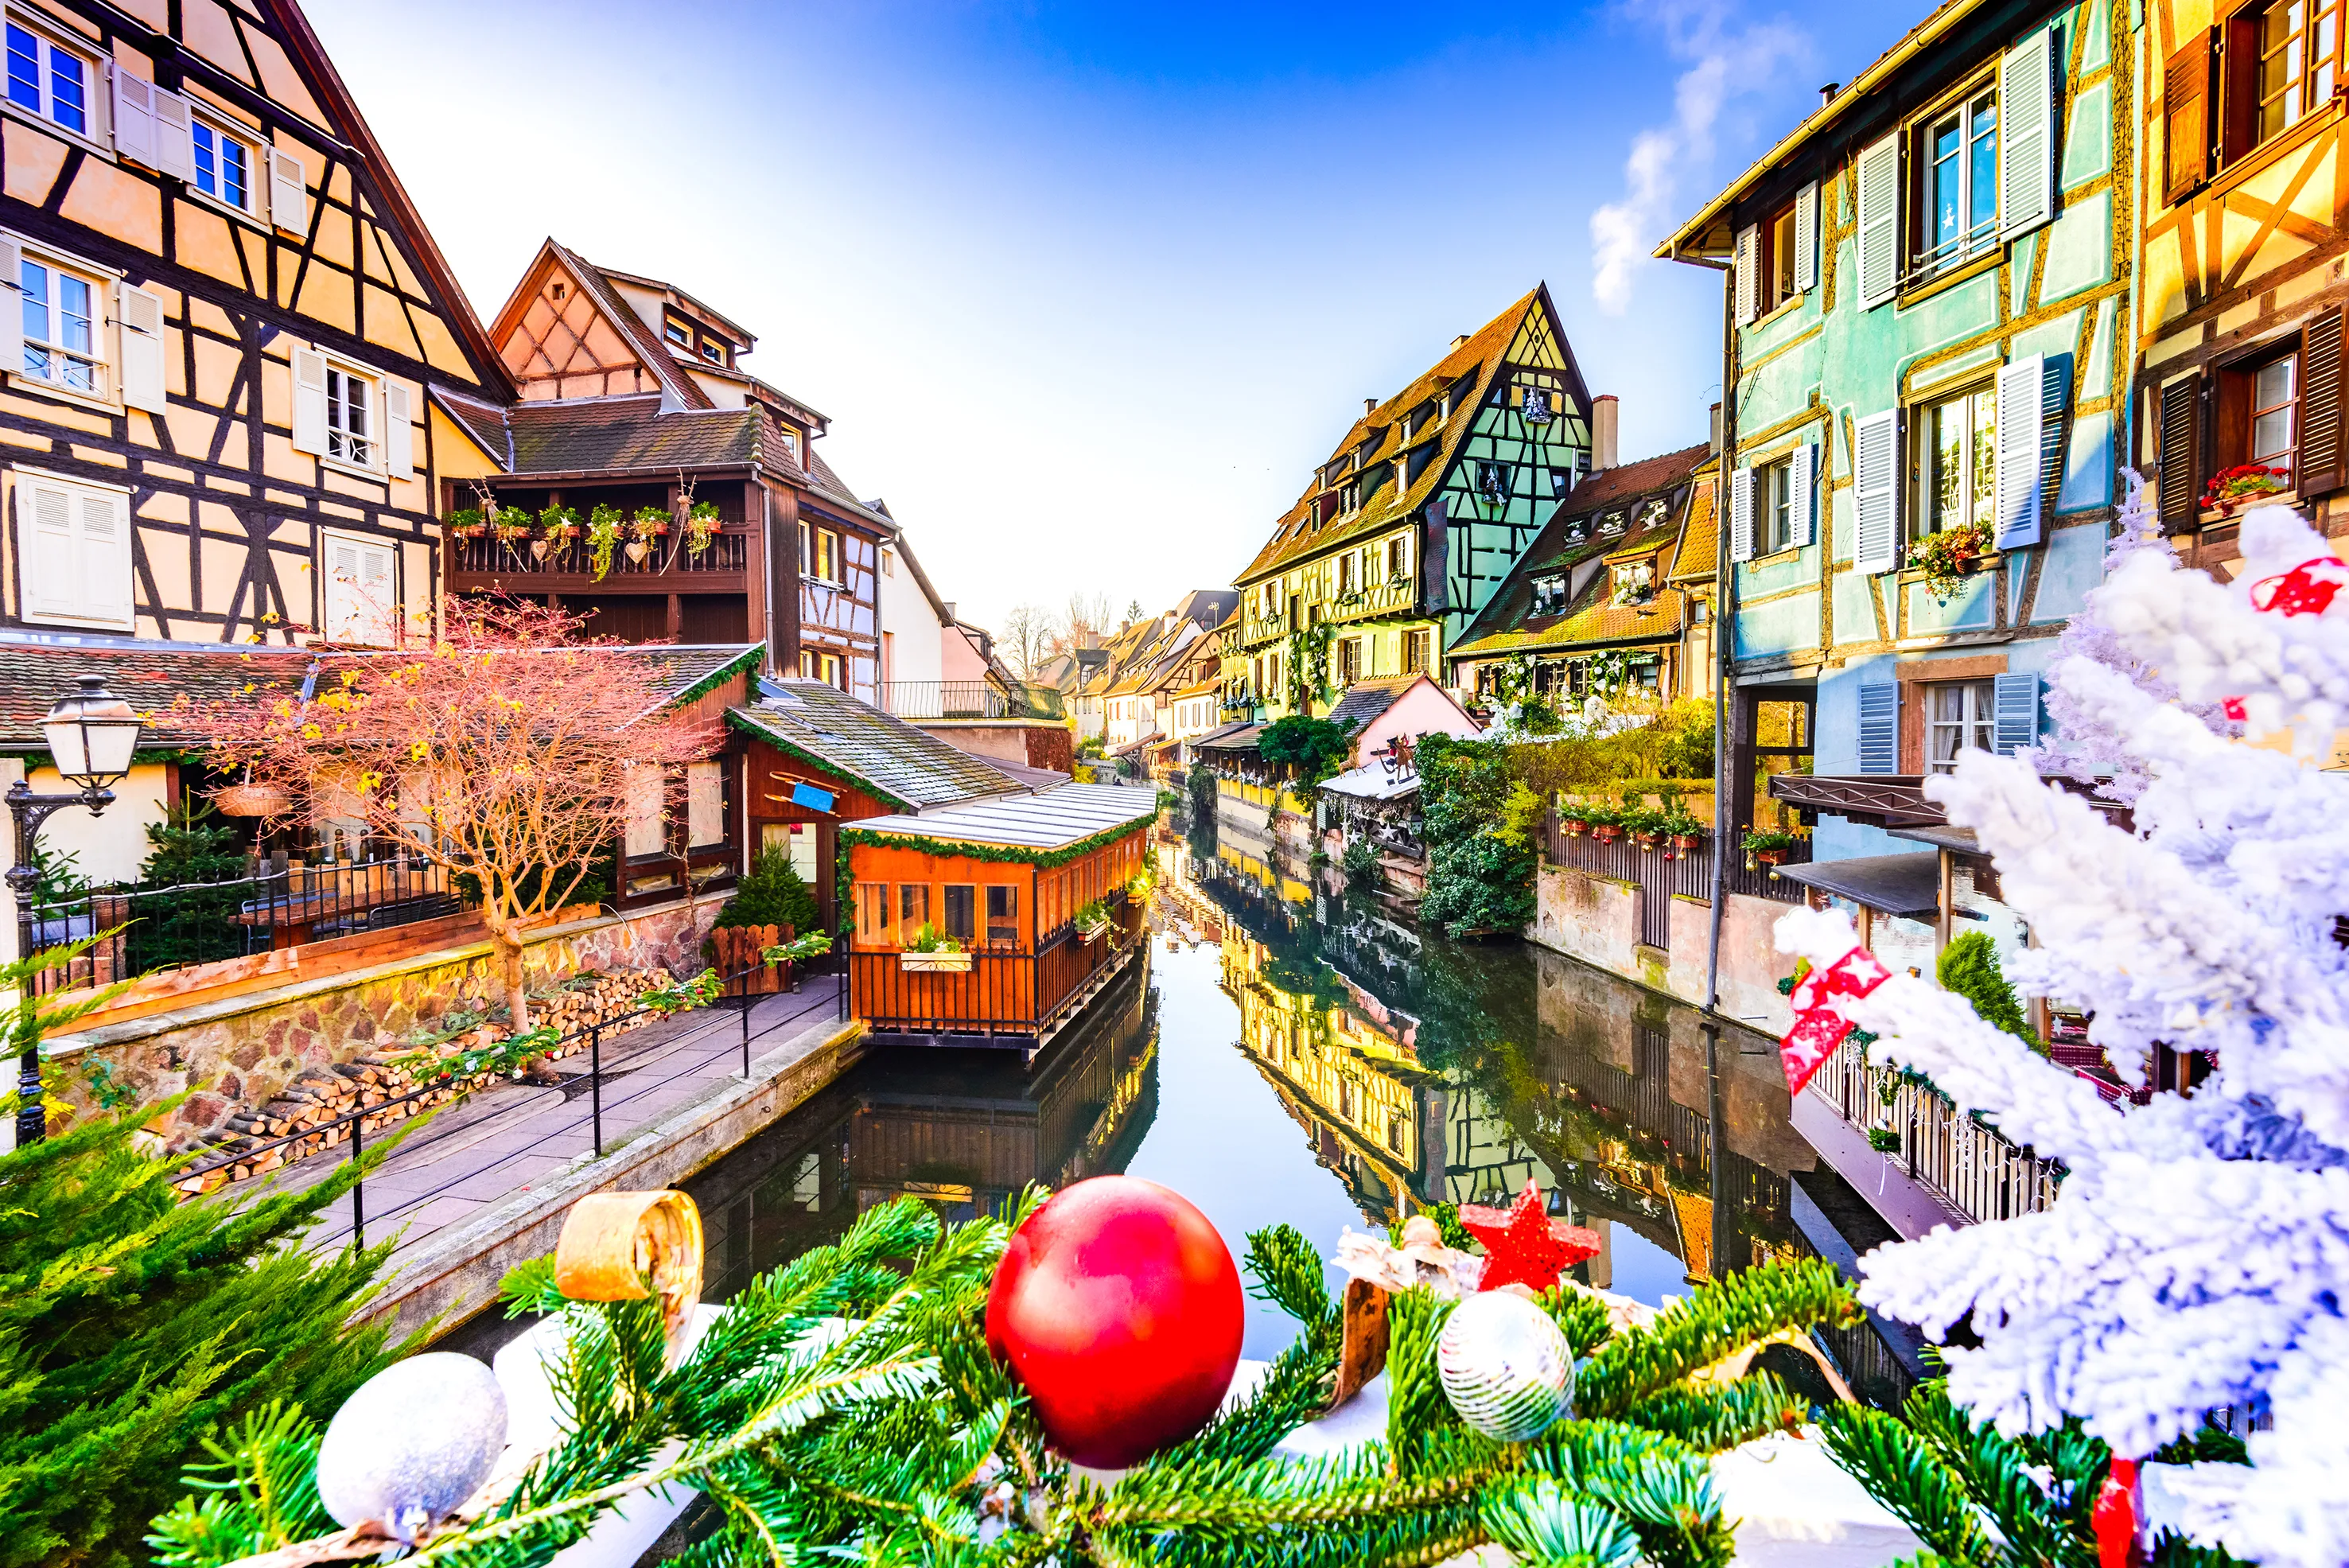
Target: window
x=50, y=80
x=350, y=423
x=1398, y=558
x=1492, y=481
x=676, y=332
x=63, y=310
x=961, y=909
x=1957, y=717
x=1415, y=648
x=1549, y=594
x=2273, y=404
x=224, y=163
x=705, y=805
x=1777, y=277
x=820, y=548
x=712, y=352
x=873, y=913
x=913, y=909
x=1773, y=492
x=1350, y=661
x=1956, y=159
x=824, y=667
x=73, y=544
x=1002, y=917
x=647, y=796
x=2285, y=57
x=1561, y=480
x=888, y=562
x=1346, y=583
x=358, y=591
x=1957, y=460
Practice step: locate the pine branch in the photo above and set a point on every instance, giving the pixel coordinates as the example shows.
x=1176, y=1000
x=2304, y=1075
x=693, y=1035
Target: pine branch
x=1547, y=1526
x=1717, y=1322
x=1659, y=1484
x=1580, y=1316
x=1711, y=1420
x=1416, y=1408
x=2036, y=1529
x=1903, y=1474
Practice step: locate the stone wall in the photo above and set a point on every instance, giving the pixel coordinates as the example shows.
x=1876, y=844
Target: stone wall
x=1597, y=920
x=248, y=1049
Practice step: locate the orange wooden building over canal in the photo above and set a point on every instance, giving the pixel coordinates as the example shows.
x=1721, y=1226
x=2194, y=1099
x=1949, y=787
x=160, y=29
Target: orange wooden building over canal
x=1032, y=892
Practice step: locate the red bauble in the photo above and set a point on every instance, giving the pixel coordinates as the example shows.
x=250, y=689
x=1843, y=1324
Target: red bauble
x=1118, y=1307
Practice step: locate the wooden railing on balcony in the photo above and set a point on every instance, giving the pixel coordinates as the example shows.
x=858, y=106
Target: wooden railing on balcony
x=1662, y=873
x=1893, y=800
x=728, y=551
x=1379, y=598
x=1973, y=1167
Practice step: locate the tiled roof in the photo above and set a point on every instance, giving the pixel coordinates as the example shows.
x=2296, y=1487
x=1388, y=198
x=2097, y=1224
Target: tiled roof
x=1632, y=480
x=1366, y=700
x=1697, y=556
x=1479, y=359
x=152, y=676
x=602, y=435
x=1051, y=820
x=836, y=492
x=879, y=753
x=484, y=422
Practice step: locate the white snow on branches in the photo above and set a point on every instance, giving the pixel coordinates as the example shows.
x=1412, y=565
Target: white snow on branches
x=2198, y=1254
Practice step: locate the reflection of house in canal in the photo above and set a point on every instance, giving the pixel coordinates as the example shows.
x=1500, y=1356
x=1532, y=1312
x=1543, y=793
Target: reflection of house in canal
x=964, y=1130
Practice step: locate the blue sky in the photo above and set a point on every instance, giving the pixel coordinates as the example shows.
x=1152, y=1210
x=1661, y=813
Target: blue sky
x=1088, y=290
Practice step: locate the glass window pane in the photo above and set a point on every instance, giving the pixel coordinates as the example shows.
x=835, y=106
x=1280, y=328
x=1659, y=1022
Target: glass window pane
x=1941, y=195
x=913, y=909
x=961, y=912
x=1985, y=458
x=872, y=912
x=705, y=805
x=34, y=281
x=73, y=313
x=1946, y=430
x=24, y=68
x=1002, y=915
x=232, y=171
x=646, y=806
x=1982, y=176
x=67, y=105
x=207, y=158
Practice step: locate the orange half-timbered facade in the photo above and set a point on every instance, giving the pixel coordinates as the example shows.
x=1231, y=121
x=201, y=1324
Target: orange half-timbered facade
x=2241, y=292
x=225, y=370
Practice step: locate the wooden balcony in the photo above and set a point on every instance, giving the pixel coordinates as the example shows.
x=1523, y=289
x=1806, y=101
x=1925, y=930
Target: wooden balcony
x=1394, y=595
x=667, y=568
x=1886, y=800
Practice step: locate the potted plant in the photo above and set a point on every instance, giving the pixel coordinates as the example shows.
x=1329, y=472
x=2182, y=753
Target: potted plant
x=1769, y=847
x=1947, y=554
x=1606, y=824
x=1093, y=919
x=1574, y=820
x=466, y=522
x=557, y=526
x=511, y=524
x=649, y=524
x=1684, y=829
x=1646, y=827
x=933, y=950
x=700, y=526
x=603, y=538
x=2232, y=487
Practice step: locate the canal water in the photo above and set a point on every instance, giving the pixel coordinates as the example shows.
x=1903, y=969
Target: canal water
x=1289, y=1055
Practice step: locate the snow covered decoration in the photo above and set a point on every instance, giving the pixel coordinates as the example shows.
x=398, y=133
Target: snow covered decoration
x=2198, y=1255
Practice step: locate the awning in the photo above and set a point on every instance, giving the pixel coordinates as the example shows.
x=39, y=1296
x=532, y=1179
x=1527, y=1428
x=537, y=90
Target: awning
x=1238, y=738
x=1960, y=839
x=1908, y=885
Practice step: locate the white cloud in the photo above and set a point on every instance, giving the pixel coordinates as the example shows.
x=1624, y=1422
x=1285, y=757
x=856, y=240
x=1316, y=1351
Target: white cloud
x=1702, y=32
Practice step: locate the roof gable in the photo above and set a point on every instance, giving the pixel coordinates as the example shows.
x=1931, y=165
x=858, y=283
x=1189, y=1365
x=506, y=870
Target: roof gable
x=565, y=332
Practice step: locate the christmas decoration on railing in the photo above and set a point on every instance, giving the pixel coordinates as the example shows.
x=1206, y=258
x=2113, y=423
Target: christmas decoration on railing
x=1818, y=1027
x=2195, y=1257
x=920, y=1392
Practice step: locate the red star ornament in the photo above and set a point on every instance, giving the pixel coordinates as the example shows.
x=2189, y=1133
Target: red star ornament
x=1523, y=1245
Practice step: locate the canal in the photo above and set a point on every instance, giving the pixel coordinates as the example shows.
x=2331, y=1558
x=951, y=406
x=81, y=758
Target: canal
x=1285, y=1054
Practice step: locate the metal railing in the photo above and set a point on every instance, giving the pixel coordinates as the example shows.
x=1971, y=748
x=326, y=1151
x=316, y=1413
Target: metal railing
x=1972, y=1166
x=1001, y=993
x=489, y=555
x=970, y=699
x=201, y=922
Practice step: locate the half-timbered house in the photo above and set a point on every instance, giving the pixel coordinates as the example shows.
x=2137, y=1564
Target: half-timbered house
x=1417, y=516
x=634, y=399
x=227, y=367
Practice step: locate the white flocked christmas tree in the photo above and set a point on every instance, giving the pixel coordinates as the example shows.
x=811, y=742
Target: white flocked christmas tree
x=2198, y=1256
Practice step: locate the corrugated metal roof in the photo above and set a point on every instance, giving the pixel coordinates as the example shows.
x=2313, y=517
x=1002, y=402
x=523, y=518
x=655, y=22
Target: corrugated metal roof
x=879, y=753
x=1051, y=820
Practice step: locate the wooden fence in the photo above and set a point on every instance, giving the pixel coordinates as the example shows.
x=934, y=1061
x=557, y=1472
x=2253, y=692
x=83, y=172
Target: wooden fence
x=1662, y=873
x=738, y=948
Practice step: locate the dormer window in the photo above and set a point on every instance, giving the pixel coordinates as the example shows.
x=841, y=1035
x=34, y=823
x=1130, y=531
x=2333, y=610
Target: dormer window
x=1549, y=594
x=713, y=352
x=1350, y=500
x=1612, y=523
x=1635, y=581
x=676, y=332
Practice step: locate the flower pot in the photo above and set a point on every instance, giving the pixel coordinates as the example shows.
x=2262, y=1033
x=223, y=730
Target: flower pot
x=1647, y=840
x=1574, y=826
x=1769, y=857
x=917, y=964
x=1606, y=833
x=251, y=800
x=1687, y=841
x=1091, y=934
x=638, y=550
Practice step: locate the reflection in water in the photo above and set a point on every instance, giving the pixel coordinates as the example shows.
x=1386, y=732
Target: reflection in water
x=1287, y=1055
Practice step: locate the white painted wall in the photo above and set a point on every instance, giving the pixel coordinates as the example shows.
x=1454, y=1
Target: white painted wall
x=917, y=636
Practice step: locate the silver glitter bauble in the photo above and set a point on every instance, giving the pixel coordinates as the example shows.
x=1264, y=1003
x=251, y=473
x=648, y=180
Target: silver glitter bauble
x=416, y=1440
x=1506, y=1367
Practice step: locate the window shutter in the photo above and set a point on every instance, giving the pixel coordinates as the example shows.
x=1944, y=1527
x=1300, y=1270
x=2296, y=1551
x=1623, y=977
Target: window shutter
x=1802, y=481
x=1879, y=727
x=2181, y=452
x=2186, y=118
x=1878, y=179
x=399, y=439
x=142, y=315
x=309, y=402
x=1806, y=238
x=105, y=552
x=1740, y=514
x=2017, y=486
x=175, y=136
x=12, y=313
x=1749, y=294
x=289, y=202
x=134, y=116
x=1876, y=491
x=2014, y=713
x=44, y=524
x=2324, y=468
x=2026, y=135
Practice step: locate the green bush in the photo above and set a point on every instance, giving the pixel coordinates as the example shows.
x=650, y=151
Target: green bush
x=192, y=845
x=1202, y=786
x=1969, y=966
x=1360, y=862
x=1316, y=748
x=772, y=894
x=1476, y=881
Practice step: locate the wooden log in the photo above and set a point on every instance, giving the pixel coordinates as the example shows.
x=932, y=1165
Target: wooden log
x=623, y=1246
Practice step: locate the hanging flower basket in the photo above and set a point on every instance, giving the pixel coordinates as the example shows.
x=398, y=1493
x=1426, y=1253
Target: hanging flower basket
x=1769, y=857
x=700, y=526
x=1648, y=840
x=1605, y=832
x=251, y=800
x=934, y=963
x=1686, y=841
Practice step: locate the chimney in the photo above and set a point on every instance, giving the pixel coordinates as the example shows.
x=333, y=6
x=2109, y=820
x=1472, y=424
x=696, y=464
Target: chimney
x=1827, y=94
x=1459, y=340
x=1368, y=404
x=1602, y=433
x=1716, y=429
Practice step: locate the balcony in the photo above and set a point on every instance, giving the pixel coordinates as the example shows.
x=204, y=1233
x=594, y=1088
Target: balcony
x=1379, y=598
x=668, y=566
x=1886, y=800
x=970, y=699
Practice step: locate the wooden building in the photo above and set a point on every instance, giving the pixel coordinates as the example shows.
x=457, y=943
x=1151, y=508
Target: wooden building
x=634, y=399
x=232, y=347
x=1033, y=889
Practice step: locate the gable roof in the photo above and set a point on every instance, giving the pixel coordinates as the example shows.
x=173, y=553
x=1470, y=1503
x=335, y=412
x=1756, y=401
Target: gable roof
x=625, y=434
x=1054, y=819
x=1366, y=700
x=1697, y=556
x=678, y=389
x=888, y=759
x=1479, y=357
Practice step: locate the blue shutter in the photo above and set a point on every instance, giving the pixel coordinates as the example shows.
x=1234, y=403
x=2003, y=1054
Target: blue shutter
x=2014, y=713
x=1879, y=728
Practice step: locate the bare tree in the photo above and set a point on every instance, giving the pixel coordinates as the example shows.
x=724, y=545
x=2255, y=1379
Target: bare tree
x=1083, y=623
x=1026, y=640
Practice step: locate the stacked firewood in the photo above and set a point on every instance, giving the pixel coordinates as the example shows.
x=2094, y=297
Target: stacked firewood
x=400, y=1077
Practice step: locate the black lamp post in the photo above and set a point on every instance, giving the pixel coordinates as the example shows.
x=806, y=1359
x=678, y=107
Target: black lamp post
x=92, y=736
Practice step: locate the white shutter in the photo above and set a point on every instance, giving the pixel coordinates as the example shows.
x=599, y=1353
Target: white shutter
x=104, y=548
x=2026, y=135
x=2021, y=432
x=175, y=131
x=1806, y=238
x=134, y=116
x=358, y=591
x=309, y=402
x=1803, y=481
x=1748, y=266
x=289, y=202
x=141, y=316
x=1878, y=179
x=2014, y=713
x=1879, y=727
x=44, y=532
x=12, y=309
x=399, y=442
x=1876, y=491
x=1740, y=514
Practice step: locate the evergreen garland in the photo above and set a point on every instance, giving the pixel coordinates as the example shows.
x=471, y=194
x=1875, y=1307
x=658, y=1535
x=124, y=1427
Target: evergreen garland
x=847, y=1406
x=949, y=850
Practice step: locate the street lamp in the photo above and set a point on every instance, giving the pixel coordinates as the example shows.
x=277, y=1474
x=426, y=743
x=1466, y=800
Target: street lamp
x=92, y=736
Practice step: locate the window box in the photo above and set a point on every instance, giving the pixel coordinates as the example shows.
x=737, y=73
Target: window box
x=934, y=963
